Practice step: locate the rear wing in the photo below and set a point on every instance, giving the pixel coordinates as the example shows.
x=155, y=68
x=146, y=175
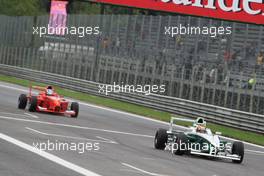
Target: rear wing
x=173, y=119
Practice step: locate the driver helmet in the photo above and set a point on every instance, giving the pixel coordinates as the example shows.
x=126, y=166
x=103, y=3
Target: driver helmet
x=49, y=90
x=200, y=125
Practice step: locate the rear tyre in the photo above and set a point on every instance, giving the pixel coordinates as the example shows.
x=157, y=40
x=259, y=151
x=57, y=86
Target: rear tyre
x=181, y=145
x=75, y=108
x=238, y=149
x=161, y=138
x=33, y=104
x=22, y=101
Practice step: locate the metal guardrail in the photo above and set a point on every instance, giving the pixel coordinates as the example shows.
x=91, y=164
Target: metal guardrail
x=224, y=116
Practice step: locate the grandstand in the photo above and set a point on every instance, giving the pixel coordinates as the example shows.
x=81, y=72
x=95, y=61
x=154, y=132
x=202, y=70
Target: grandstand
x=135, y=49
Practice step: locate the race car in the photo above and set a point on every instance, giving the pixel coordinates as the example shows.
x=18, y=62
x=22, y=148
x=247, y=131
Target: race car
x=48, y=101
x=197, y=140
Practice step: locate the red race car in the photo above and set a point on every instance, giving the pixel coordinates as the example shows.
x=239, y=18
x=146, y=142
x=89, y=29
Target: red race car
x=48, y=101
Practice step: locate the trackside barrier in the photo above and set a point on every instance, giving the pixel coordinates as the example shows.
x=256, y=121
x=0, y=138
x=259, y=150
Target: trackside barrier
x=224, y=116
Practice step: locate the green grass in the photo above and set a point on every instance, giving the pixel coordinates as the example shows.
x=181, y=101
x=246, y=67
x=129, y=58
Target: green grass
x=141, y=110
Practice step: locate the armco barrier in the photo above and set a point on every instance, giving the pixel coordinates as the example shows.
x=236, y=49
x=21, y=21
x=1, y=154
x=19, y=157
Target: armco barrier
x=224, y=116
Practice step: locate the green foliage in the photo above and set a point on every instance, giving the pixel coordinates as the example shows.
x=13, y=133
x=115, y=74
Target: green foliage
x=40, y=7
x=84, y=8
x=21, y=7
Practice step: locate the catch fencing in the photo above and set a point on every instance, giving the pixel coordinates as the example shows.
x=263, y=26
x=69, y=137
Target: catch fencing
x=211, y=86
x=134, y=50
x=187, y=108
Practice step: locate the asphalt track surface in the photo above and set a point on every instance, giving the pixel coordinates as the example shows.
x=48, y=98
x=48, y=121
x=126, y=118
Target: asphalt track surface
x=125, y=145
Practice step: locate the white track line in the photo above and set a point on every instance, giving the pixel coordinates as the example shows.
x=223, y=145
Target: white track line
x=75, y=126
x=14, y=114
x=134, y=115
x=31, y=115
x=104, y=140
x=49, y=156
x=161, y=122
x=232, y=139
x=99, y=137
x=14, y=88
x=141, y=170
x=253, y=151
x=70, y=137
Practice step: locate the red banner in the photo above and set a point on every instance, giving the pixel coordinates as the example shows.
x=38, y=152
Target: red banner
x=58, y=17
x=250, y=11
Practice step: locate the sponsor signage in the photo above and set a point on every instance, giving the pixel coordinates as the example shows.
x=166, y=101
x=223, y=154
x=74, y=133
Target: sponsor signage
x=250, y=11
x=58, y=17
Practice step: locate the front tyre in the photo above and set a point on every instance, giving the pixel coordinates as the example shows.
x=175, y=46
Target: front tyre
x=22, y=101
x=238, y=149
x=75, y=108
x=33, y=104
x=161, y=138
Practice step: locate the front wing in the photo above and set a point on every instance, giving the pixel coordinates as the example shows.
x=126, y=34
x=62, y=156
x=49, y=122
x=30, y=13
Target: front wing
x=68, y=112
x=219, y=155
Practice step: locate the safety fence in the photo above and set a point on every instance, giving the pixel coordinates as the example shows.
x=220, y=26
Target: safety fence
x=197, y=83
x=232, y=118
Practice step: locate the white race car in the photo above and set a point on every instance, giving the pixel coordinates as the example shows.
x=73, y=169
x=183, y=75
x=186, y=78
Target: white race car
x=197, y=140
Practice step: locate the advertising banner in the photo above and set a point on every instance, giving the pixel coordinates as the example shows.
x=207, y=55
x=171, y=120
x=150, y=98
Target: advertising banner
x=58, y=17
x=249, y=11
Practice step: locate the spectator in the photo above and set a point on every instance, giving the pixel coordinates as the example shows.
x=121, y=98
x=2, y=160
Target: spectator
x=235, y=55
x=228, y=80
x=259, y=63
x=188, y=67
x=113, y=44
x=117, y=43
x=105, y=44
x=212, y=75
x=260, y=59
x=227, y=56
x=250, y=50
x=250, y=83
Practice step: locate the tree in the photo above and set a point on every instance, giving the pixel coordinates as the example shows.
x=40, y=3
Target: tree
x=22, y=7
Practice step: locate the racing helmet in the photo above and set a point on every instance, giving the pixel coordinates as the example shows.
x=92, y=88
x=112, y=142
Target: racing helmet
x=49, y=87
x=49, y=90
x=200, y=121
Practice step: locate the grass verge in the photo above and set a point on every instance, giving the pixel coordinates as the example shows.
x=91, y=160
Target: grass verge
x=141, y=110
